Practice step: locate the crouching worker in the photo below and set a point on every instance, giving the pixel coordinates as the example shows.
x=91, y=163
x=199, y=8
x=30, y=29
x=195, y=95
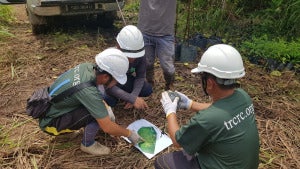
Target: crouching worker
x=222, y=134
x=86, y=107
x=131, y=43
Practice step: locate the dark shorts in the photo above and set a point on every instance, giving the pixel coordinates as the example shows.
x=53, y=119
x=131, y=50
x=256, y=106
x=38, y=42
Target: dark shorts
x=73, y=120
x=176, y=160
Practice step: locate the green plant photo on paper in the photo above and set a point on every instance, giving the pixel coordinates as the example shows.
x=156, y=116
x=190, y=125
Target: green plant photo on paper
x=149, y=136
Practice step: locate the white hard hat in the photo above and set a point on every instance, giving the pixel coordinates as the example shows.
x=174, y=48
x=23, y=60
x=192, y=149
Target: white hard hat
x=131, y=42
x=222, y=61
x=114, y=62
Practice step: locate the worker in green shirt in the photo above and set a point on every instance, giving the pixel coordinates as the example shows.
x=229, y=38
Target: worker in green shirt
x=222, y=134
x=86, y=108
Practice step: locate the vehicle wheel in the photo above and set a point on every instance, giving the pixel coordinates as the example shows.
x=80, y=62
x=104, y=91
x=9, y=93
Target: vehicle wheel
x=38, y=22
x=106, y=20
x=38, y=29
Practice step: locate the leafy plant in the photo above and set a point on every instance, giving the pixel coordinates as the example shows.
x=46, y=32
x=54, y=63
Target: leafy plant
x=277, y=49
x=149, y=136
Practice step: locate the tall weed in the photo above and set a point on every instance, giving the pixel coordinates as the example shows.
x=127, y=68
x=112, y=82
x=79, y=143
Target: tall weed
x=282, y=18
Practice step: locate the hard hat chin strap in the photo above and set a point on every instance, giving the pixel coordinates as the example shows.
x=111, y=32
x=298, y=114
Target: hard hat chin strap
x=109, y=80
x=204, y=77
x=225, y=81
x=222, y=83
x=132, y=51
x=101, y=71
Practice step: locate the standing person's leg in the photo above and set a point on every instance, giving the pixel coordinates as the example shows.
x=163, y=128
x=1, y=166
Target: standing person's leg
x=150, y=57
x=166, y=55
x=176, y=160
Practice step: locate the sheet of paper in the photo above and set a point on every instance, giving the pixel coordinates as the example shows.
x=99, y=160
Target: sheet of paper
x=162, y=140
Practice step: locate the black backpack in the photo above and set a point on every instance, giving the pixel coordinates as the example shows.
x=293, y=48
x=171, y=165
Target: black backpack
x=39, y=102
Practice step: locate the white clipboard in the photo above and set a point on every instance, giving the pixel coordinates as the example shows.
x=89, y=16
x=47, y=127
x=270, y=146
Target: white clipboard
x=162, y=140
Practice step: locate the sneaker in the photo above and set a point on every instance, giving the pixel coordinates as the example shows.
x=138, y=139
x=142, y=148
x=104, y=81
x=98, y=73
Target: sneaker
x=95, y=149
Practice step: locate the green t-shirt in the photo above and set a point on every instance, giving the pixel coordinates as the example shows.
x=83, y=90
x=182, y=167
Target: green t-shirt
x=88, y=97
x=224, y=135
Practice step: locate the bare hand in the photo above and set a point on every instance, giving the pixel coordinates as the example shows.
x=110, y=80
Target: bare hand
x=140, y=103
x=128, y=105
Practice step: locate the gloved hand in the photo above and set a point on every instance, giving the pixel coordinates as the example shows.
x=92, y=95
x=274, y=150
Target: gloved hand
x=168, y=105
x=134, y=137
x=185, y=102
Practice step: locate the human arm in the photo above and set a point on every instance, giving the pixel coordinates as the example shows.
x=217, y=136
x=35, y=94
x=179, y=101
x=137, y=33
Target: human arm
x=138, y=104
x=111, y=127
x=119, y=93
x=114, y=129
x=170, y=107
x=196, y=106
x=139, y=70
x=136, y=79
x=173, y=126
x=91, y=99
x=188, y=104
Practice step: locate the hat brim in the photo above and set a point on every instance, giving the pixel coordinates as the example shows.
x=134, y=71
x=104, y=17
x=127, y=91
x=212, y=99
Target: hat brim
x=122, y=80
x=135, y=55
x=196, y=70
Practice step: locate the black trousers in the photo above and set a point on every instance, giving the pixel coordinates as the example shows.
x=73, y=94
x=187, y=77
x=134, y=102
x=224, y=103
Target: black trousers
x=74, y=120
x=176, y=160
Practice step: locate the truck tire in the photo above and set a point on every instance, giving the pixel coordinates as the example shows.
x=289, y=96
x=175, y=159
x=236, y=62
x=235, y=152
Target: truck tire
x=38, y=23
x=38, y=29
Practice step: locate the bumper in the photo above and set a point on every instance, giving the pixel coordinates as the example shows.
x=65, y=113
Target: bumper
x=76, y=9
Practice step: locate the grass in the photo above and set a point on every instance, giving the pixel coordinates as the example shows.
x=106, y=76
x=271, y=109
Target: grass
x=6, y=18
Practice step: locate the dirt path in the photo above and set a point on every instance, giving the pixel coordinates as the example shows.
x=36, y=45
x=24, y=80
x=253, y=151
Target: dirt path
x=30, y=62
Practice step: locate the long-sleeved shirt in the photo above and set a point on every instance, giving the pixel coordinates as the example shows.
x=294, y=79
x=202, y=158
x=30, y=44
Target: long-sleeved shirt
x=137, y=73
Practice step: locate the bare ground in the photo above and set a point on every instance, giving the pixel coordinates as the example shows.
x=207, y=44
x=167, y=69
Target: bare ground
x=32, y=61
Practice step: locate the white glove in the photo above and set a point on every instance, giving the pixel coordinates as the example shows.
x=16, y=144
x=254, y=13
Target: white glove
x=168, y=105
x=134, y=137
x=184, y=102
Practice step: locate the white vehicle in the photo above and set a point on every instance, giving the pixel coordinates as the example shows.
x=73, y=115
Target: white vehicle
x=42, y=13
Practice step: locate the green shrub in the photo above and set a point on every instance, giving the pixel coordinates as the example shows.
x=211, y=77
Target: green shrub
x=277, y=49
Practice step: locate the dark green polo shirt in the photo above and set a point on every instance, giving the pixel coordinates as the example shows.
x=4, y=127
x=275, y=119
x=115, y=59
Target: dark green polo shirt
x=224, y=135
x=89, y=97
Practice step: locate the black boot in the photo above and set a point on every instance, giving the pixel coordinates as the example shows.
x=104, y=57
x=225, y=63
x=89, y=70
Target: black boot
x=169, y=81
